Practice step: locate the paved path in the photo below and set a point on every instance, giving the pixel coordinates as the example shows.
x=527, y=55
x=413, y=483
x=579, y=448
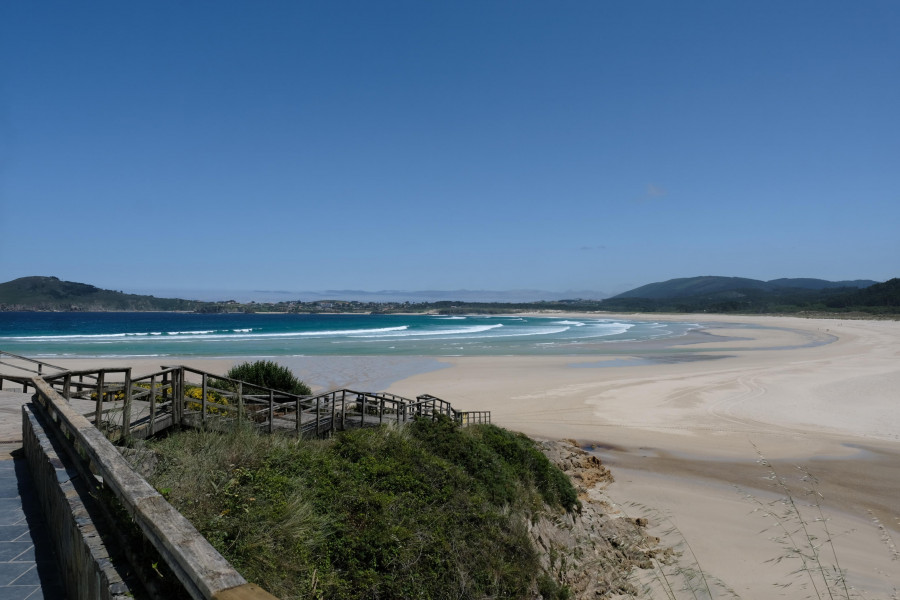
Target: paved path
x=28, y=566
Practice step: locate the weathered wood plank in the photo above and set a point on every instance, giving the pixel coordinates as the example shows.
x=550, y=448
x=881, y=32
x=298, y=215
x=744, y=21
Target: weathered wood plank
x=200, y=568
x=248, y=591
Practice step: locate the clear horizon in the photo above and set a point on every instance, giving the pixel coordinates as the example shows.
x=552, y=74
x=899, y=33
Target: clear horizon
x=477, y=146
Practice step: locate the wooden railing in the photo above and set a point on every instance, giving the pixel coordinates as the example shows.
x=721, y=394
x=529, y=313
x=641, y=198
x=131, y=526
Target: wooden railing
x=25, y=368
x=124, y=406
x=203, y=572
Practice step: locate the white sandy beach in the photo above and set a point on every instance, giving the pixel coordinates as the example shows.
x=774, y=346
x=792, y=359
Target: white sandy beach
x=680, y=427
x=680, y=437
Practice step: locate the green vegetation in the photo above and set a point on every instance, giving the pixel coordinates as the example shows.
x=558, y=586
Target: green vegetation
x=747, y=296
x=50, y=293
x=430, y=510
x=269, y=374
x=710, y=285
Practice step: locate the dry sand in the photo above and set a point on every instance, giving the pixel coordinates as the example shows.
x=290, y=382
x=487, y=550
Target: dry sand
x=681, y=437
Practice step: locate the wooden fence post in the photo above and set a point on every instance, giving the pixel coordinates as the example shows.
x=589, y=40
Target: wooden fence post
x=333, y=409
x=178, y=396
x=98, y=411
x=271, y=409
x=240, y=399
x=204, y=390
x=126, y=409
x=152, y=405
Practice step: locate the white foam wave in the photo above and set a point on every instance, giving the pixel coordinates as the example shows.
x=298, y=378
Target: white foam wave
x=573, y=323
x=537, y=331
x=429, y=336
x=608, y=329
x=191, y=332
x=438, y=332
x=303, y=334
x=211, y=334
x=31, y=338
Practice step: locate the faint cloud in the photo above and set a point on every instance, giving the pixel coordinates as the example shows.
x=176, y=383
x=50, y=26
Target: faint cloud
x=653, y=192
x=591, y=248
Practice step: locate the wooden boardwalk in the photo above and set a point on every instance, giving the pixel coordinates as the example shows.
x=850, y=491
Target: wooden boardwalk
x=125, y=406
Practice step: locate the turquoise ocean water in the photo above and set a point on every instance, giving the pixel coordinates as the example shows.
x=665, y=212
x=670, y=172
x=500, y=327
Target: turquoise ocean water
x=49, y=335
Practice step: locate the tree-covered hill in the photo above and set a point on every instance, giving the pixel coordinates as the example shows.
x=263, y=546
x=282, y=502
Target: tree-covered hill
x=732, y=287
x=51, y=293
x=881, y=295
x=736, y=295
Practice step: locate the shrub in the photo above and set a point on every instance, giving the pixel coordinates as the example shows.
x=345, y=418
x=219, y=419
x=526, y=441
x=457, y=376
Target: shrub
x=267, y=373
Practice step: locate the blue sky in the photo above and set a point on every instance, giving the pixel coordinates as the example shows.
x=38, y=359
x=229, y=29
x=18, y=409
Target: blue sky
x=448, y=145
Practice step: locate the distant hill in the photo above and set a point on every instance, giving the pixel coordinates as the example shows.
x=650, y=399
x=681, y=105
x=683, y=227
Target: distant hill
x=740, y=295
x=821, y=284
x=694, y=286
x=51, y=293
x=885, y=294
x=733, y=287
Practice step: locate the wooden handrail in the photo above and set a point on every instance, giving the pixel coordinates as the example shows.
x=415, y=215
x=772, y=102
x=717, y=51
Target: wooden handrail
x=30, y=360
x=204, y=573
x=165, y=403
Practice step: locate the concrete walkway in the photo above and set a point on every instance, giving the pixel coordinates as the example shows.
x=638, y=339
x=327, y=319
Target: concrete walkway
x=28, y=565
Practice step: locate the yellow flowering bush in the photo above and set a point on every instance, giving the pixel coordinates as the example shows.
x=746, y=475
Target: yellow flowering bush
x=190, y=391
x=195, y=392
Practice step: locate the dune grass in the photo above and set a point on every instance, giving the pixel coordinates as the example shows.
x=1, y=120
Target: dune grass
x=799, y=525
x=431, y=510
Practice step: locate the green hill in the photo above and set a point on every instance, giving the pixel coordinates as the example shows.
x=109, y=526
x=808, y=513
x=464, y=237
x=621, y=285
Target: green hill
x=882, y=295
x=740, y=295
x=51, y=293
x=820, y=284
x=694, y=286
x=731, y=287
